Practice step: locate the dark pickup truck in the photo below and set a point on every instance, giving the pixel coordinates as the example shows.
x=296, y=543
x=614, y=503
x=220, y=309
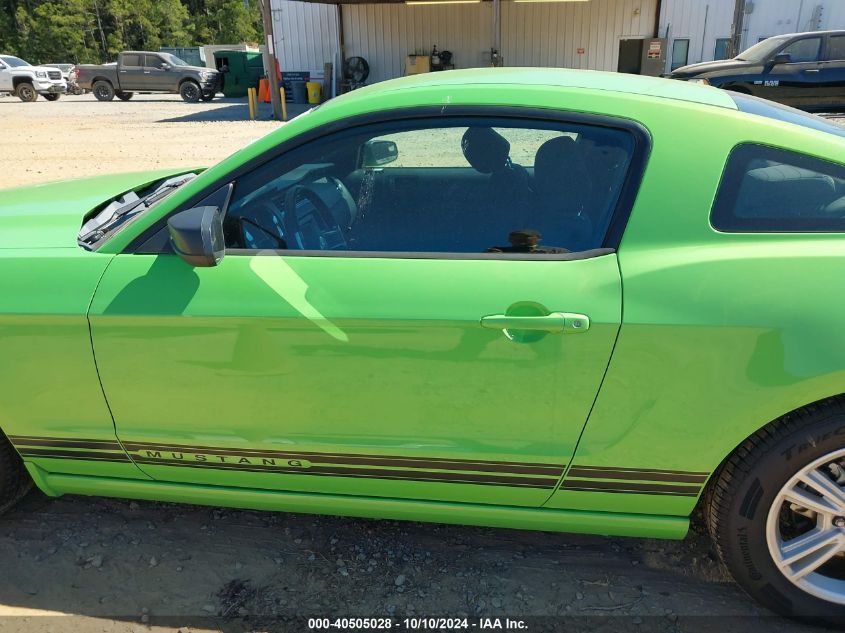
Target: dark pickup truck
x=802, y=70
x=142, y=71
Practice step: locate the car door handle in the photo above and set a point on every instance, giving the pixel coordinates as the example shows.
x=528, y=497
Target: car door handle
x=811, y=70
x=554, y=322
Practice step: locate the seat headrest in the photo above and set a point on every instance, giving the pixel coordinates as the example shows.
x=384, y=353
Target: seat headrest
x=485, y=149
x=560, y=168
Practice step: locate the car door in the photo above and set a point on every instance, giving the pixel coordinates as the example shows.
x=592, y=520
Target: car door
x=832, y=73
x=794, y=83
x=157, y=72
x=377, y=328
x=131, y=73
x=6, y=83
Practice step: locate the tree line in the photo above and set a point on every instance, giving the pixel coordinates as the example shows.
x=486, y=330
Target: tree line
x=95, y=31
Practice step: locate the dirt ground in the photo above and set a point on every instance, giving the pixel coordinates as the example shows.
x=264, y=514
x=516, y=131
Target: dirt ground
x=80, y=564
x=80, y=136
x=118, y=565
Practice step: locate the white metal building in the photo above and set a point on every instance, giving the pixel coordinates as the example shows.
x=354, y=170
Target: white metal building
x=591, y=34
x=568, y=34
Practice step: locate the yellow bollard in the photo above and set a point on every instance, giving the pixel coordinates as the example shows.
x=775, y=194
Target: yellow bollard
x=252, y=95
x=284, y=104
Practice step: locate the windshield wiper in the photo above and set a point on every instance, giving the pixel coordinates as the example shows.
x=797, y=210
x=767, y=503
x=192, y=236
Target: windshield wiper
x=126, y=206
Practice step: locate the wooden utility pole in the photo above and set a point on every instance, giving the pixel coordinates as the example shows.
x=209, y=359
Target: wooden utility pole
x=270, y=59
x=737, y=28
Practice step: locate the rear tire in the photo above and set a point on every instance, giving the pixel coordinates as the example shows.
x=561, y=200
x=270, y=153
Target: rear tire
x=103, y=90
x=124, y=96
x=190, y=92
x=14, y=480
x=757, y=524
x=26, y=92
x=53, y=96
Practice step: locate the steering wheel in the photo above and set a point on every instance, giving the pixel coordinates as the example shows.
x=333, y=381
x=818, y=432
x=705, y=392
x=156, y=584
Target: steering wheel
x=327, y=231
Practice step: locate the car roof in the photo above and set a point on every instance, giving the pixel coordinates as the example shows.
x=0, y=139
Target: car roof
x=829, y=32
x=558, y=77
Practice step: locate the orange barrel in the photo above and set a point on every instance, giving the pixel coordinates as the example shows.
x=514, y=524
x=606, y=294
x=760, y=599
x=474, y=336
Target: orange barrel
x=264, y=91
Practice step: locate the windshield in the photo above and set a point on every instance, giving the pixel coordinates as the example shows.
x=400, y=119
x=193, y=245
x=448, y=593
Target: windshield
x=14, y=62
x=173, y=60
x=762, y=50
x=127, y=207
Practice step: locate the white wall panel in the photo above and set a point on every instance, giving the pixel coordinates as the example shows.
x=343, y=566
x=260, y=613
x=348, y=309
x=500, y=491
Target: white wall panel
x=774, y=17
x=305, y=34
x=550, y=34
x=833, y=16
x=702, y=22
x=384, y=34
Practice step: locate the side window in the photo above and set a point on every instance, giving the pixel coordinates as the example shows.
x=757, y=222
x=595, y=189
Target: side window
x=154, y=61
x=768, y=190
x=680, y=53
x=803, y=51
x=131, y=60
x=721, y=50
x=836, y=48
x=434, y=186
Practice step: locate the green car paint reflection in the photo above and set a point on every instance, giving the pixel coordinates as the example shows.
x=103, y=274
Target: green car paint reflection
x=371, y=386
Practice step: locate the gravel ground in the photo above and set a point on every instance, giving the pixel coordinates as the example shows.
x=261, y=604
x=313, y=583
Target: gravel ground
x=113, y=565
x=119, y=565
x=80, y=136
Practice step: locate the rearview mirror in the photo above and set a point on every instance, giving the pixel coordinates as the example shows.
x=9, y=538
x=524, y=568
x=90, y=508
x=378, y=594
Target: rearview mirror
x=165, y=66
x=197, y=235
x=378, y=153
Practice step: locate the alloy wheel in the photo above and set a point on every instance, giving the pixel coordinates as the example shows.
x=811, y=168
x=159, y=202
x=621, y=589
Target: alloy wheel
x=805, y=528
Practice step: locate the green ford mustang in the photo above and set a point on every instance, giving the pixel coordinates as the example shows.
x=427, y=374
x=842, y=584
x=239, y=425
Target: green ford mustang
x=536, y=299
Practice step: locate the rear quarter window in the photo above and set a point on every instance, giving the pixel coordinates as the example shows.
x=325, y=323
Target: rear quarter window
x=770, y=190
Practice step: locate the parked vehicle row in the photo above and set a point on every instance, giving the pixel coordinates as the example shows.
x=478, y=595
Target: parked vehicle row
x=134, y=71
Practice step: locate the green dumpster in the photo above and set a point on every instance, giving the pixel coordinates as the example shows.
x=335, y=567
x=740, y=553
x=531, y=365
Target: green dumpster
x=245, y=69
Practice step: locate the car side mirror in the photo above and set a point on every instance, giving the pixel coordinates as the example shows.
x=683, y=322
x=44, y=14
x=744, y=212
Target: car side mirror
x=197, y=235
x=165, y=66
x=378, y=153
x=780, y=58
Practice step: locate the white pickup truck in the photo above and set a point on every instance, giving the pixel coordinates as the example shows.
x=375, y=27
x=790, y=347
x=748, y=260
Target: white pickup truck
x=27, y=81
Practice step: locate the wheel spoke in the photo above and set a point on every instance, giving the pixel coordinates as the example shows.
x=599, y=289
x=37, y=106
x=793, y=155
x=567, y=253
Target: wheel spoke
x=824, y=485
x=806, y=499
x=806, y=553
